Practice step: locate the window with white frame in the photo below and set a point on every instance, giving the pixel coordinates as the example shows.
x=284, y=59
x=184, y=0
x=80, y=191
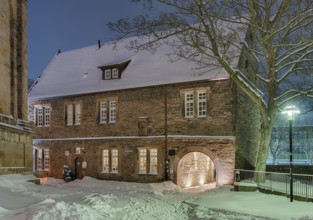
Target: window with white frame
x=202, y=104
x=148, y=161
x=42, y=159
x=189, y=105
x=42, y=115
x=114, y=73
x=107, y=112
x=114, y=160
x=105, y=161
x=110, y=160
x=107, y=74
x=112, y=114
x=73, y=114
x=195, y=103
x=103, y=112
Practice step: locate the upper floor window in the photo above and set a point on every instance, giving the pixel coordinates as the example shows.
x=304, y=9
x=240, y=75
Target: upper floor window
x=73, y=114
x=114, y=71
x=42, y=115
x=107, y=112
x=195, y=103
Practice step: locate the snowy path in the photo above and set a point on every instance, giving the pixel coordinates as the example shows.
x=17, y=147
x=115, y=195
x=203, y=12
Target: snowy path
x=96, y=199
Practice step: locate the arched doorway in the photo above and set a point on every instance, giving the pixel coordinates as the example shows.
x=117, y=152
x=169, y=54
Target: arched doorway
x=195, y=169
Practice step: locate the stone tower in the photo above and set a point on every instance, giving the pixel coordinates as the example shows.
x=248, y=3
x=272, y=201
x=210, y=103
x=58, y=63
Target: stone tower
x=15, y=135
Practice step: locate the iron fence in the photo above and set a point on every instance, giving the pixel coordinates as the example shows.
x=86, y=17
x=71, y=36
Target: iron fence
x=278, y=182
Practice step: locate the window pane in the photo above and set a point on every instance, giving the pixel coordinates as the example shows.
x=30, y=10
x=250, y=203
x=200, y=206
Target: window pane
x=46, y=159
x=107, y=74
x=39, y=159
x=105, y=161
x=39, y=117
x=103, y=112
x=69, y=115
x=47, y=115
x=189, y=105
x=202, y=104
x=114, y=157
x=153, y=161
x=142, y=161
x=115, y=73
x=112, y=116
x=77, y=114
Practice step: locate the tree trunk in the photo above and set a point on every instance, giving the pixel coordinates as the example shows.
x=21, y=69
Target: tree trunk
x=262, y=155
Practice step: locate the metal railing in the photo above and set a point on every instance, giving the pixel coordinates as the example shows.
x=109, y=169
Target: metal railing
x=278, y=182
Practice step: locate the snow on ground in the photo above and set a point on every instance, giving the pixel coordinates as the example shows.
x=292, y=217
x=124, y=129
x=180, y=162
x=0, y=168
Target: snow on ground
x=98, y=199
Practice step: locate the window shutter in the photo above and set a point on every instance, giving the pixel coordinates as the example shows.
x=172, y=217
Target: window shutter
x=182, y=100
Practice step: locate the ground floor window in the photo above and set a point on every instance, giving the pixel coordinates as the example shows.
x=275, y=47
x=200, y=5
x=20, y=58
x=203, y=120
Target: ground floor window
x=42, y=159
x=148, y=161
x=110, y=160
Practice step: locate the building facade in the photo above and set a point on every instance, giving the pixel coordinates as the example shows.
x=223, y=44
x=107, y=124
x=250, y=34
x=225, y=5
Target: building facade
x=121, y=115
x=15, y=133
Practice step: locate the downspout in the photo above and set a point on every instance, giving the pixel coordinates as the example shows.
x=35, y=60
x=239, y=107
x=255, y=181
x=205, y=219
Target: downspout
x=166, y=160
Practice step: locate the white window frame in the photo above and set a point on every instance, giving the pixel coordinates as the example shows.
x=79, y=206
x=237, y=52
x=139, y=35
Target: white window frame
x=105, y=161
x=103, y=112
x=47, y=115
x=114, y=73
x=69, y=114
x=112, y=112
x=142, y=160
x=201, y=104
x=153, y=163
x=46, y=159
x=107, y=74
x=39, y=160
x=77, y=114
x=39, y=116
x=114, y=161
x=189, y=105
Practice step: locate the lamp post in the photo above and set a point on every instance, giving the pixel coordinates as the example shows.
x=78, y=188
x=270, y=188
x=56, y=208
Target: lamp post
x=291, y=111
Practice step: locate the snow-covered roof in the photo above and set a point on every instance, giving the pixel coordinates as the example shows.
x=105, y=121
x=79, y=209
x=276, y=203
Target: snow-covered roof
x=77, y=71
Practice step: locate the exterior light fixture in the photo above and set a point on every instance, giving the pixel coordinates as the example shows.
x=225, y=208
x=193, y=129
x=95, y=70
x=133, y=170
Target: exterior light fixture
x=291, y=111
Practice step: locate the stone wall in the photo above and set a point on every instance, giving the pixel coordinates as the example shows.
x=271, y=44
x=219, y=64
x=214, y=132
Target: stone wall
x=152, y=108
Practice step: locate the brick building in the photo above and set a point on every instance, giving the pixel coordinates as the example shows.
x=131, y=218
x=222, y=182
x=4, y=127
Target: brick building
x=121, y=115
x=15, y=133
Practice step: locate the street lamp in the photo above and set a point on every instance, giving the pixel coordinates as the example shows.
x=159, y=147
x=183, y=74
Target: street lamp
x=291, y=111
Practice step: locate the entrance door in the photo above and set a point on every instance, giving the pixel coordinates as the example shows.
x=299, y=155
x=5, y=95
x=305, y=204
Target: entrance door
x=78, y=168
x=195, y=169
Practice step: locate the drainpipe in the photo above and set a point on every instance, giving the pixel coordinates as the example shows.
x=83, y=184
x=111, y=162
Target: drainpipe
x=166, y=162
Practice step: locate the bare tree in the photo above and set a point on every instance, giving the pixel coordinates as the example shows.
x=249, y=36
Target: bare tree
x=207, y=31
x=278, y=144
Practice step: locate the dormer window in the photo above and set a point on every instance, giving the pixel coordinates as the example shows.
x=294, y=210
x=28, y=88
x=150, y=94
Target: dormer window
x=113, y=71
x=107, y=74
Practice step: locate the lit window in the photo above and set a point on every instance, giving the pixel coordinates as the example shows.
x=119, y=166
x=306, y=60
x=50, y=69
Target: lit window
x=103, y=112
x=145, y=164
x=142, y=160
x=112, y=115
x=105, y=161
x=153, y=161
x=202, y=108
x=114, y=162
x=107, y=74
x=114, y=73
x=189, y=109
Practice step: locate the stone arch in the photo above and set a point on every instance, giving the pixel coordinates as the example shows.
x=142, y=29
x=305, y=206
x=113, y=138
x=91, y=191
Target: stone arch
x=204, y=150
